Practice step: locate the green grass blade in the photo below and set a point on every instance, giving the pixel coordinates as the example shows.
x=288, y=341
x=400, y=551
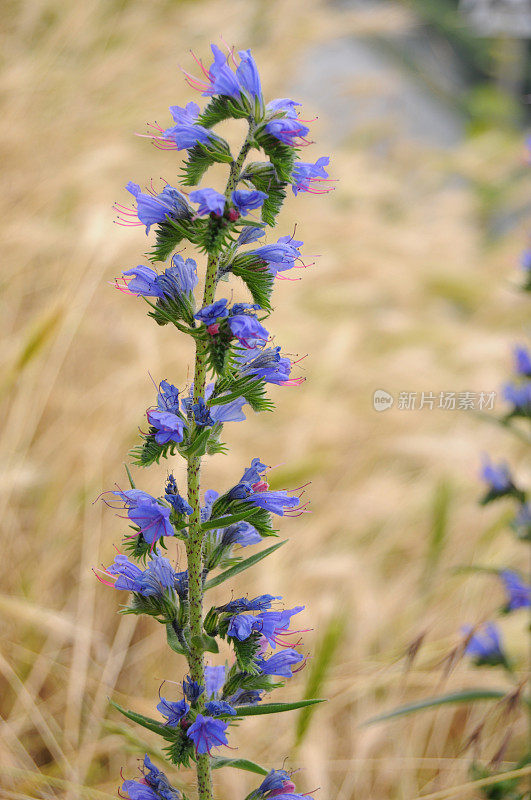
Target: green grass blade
x=238, y=763
x=320, y=664
x=439, y=528
x=274, y=708
x=242, y=565
x=146, y=722
x=465, y=696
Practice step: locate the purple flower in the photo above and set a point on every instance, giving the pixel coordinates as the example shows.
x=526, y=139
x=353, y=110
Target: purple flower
x=168, y=397
x=247, y=75
x=228, y=412
x=153, y=209
x=182, y=274
x=144, y=511
x=518, y=592
x=305, y=175
x=151, y=582
x=280, y=663
x=281, y=256
x=173, y=711
x=142, y=284
x=245, y=697
x=220, y=79
x=206, y=733
x=219, y=708
x=253, y=473
x=153, y=786
x=485, y=645
x=274, y=502
x=273, y=624
x=192, y=690
x=174, y=498
x=260, y=603
x=210, y=498
x=497, y=478
x=214, y=680
x=201, y=414
x=247, y=329
x=169, y=426
x=267, y=364
x=273, y=781
x=247, y=199
x=522, y=358
x=129, y=575
x=250, y=234
x=185, y=133
x=525, y=260
x=519, y=394
x=242, y=625
x=287, y=130
x=284, y=104
x=210, y=202
x=242, y=533
x=210, y=314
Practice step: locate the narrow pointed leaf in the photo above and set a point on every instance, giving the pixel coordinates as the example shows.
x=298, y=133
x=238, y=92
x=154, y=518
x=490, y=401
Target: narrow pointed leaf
x=173, y=640
x=242, y=565
x=238, y=763
x=146, y=722
x=465, y=696
x=274, y=708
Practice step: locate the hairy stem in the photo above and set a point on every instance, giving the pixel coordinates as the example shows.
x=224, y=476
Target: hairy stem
x=194, y=544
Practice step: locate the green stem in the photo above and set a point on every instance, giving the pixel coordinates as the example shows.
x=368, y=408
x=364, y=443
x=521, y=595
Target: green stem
x=194, y=543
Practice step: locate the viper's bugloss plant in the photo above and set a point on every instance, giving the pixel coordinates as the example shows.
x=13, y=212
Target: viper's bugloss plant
x=234, y=362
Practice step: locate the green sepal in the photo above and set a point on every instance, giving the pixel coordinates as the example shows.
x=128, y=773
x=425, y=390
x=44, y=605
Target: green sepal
x=219, y=349
x=255, y=274
x=219, y=109
x=274, y=708
x=242, y=566
x=225, y=511
x=246, y=652
x=206, y=643
x=138, y=548
x=197, y=444
x=237, y=763
x=173, y=640
x=146, y=722
x=243, y=680
x=281, y=156
x=201, y=157
x=149, y=451
x=162, y=607
x=170, y=233
x=181, y=750
x=263, y=176
x=231, y=386
x=166, y=310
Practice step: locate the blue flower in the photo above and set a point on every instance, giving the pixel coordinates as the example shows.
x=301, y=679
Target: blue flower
x=245, y=697
x=206, y=733
x=181, y=277
x=283, y=122
x=186, y=133
x=210, y=202
x=174, y=498
x=281, y=256
x=267, y=364
x=247, y=199
x=169, y=427
x=192, y=690
x=519, y=394
x=168, y=397
x=152, y=582
x=241, y=533
x=144, y=511
x=142, y=284
x=241, y=626
x=222, y=79
x=250, y=234
x=228, y=412
x=497, y=478
x=154, y=785
x=201, y=413
x=525, y=260
x=153, y=209
x=210, y=314
x=254, y=472
x=518, y=592
x=273, y=624
x=274, y=502
x=274, y=781
x=485, y=645
x=247, y=329
x=210, y=498
x=280, y=663
x=522, y=358
x=247, y=75
x=214, y=680
x=260, y=603
x=173, y=711
x=219, y=708
x=305, y=174
x=522, y=522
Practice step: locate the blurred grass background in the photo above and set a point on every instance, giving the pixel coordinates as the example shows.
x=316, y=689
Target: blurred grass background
x=415, y=289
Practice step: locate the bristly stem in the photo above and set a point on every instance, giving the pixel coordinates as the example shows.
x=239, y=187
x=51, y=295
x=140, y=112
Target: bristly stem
x=194, y=544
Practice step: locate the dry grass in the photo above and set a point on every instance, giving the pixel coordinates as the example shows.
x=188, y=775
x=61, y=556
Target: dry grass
x=407, y=295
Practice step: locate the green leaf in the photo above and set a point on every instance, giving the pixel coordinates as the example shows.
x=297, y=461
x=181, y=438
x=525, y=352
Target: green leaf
x=237, y=763
x=200, y=158
x=242, y=565
x=320, y=664
x=146, y=722
x=256, y=276
x=465, y=696
x=274, y=708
